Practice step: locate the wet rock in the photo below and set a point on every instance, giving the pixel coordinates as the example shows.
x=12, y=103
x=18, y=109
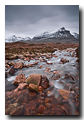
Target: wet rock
x=19, y=65
x=47, y=68
x=7, y=66
x=40, y=89
x=55, y=110
x=22, y=86
x=12, y=71
x=34, y=79
x=33, y=87
x=35, y=63
x=63, y=60
x=55, y=72
x=64, y=93
x=49, y=63
x=55, y=56
x=19, y=79
x=40, y=109
x=12, y=63
x=45, y=82
x=40, y=66
x=27, y=59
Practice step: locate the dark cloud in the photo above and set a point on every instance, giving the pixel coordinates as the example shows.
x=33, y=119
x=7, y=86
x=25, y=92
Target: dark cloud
x=30, y=20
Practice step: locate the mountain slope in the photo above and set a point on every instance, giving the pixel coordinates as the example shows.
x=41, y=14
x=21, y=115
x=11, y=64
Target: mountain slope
x=61, y=33
x=76, y=35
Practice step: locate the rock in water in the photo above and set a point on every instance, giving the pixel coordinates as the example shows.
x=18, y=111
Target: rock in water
x=33, y=87
x=34, y=79
x=19, y=65
x=19, y=79
x=45, y=82
x=22, y=86
x=64, y=93
x=12, y=71
x=63, y=60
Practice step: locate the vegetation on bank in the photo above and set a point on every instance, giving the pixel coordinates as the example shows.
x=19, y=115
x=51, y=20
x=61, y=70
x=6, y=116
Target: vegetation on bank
x=20, y=48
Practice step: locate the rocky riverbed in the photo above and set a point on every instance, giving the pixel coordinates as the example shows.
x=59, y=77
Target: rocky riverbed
x=43, y=83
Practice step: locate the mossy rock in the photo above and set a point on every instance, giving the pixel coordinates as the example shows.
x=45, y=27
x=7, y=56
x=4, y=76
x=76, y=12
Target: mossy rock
x=34, y=79
x=33, y=87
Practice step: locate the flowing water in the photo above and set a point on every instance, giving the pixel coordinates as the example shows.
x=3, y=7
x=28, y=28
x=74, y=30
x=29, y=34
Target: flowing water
x=62, y=69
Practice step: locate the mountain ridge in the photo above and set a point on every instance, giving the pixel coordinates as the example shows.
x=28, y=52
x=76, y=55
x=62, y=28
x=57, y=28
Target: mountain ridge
x=62, y=33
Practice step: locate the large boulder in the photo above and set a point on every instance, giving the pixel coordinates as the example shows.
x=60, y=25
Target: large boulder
x=19, y=79
x=38, y=80
x=34, y=79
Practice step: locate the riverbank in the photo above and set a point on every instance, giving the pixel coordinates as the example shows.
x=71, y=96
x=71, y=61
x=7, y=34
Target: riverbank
x=58, y=62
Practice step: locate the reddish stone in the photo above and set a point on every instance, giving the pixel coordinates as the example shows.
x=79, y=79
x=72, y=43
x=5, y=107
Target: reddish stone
x=19, y=65
x=47, y=68
x=12, y=71
x=47, y=71
x=63, y=60
x=12, y=63
x=48, y=63
x=47, y=100
x=45, y=82
x=55, y=56
x=64, y=93
x=40, y=66
x=40, y=89
x=6, y=65
x=55, y=110
x=19, y=79
x=22, y=85
x=35, y=63
x=40, y=109
x=55, y=72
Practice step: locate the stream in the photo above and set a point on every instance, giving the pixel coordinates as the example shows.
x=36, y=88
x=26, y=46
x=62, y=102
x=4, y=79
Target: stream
x=67, y=74
x=62, y=69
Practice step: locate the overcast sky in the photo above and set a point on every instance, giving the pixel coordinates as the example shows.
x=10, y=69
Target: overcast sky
x=31, y=20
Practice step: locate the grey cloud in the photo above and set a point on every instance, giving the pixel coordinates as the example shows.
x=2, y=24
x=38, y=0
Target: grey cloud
x=29, y=20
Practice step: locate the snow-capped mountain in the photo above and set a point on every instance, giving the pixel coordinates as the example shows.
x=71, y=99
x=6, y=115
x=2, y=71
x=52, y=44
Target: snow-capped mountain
x=16, y=38
x=61, y=33
x=76, y=35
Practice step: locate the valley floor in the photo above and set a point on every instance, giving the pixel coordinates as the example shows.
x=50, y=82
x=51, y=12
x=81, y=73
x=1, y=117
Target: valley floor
x=54, y=87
